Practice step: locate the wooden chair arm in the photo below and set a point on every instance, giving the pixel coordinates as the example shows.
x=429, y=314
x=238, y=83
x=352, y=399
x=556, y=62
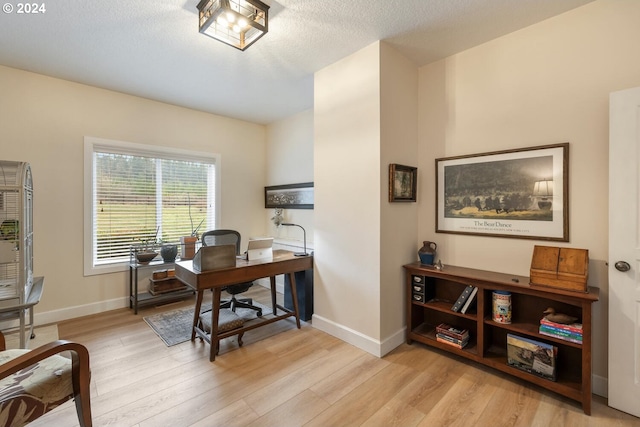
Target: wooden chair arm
x=80, y=371
x=79, y=357
x=3, y=344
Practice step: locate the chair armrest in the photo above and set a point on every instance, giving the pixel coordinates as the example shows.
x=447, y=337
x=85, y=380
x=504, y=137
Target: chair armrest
x=3, y=344
x=79, y=357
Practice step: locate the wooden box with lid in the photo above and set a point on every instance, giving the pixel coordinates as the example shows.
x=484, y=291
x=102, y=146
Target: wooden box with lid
x=562, y=268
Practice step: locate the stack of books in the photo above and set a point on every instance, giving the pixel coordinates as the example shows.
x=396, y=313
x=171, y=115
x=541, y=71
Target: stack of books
x=455, y=337
x=572, y=332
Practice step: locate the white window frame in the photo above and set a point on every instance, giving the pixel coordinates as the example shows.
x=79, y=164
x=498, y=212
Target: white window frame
x=90, y=145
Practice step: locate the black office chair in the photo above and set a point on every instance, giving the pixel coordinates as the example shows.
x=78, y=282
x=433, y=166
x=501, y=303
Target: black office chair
x=231, y=237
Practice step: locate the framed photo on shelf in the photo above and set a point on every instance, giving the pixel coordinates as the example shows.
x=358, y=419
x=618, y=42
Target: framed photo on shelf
x=521, y=193
x=403, y=183
x=290, y=196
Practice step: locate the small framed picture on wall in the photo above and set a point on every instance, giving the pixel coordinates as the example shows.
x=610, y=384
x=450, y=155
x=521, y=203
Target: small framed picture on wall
x=403, y=183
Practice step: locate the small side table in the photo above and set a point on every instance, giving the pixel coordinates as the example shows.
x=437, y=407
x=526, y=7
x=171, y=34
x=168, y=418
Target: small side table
x=19, y=311
x=146, y=298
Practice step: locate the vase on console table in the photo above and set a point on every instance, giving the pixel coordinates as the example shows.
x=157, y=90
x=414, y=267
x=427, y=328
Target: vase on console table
x=169, y=252
x=427, y=253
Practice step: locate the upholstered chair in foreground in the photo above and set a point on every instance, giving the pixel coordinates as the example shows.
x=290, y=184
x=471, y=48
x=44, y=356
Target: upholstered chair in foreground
x=33, y=382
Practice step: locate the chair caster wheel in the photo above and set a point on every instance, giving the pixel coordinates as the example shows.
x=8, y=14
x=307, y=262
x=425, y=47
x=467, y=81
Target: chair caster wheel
x=259, y=313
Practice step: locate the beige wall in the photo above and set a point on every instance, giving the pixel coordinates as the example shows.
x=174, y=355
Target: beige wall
x=290, y=161
x=398, y=221
x=545, y=84
x=365, y=118
x=43, y=121
x=347, y=192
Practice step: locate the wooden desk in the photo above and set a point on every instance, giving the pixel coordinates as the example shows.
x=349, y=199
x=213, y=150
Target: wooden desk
x=283, y=262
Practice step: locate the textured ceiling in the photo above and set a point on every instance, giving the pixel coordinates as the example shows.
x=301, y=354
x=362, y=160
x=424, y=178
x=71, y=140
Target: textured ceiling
x=153, y=49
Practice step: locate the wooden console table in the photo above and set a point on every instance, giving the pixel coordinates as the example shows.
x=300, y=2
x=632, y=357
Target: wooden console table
x=283, y=262
x=431, y=294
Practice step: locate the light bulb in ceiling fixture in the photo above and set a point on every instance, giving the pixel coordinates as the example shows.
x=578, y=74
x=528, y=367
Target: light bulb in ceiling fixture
x=243, y=22
x=222, y=21
x=231, y=17
x=237, y=28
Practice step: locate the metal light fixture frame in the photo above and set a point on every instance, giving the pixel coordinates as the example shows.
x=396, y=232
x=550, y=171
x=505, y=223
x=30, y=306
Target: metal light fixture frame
x=254, y=12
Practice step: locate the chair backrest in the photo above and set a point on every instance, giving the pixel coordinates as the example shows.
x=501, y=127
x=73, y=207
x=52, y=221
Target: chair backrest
x=221, y=237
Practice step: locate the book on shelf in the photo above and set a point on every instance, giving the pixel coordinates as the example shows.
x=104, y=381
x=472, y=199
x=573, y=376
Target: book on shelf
x=462, y=298
x=451, y=343
x=573, y=327
x=560, y=337
x=532, y=356
x=561, y=332
x=453, y=340
x=470, y=300
x=446, y=329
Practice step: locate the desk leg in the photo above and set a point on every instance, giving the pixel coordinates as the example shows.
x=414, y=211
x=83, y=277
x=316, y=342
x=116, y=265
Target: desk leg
x=196, y=314
x=215, y=315
x=294, y=296
x=272, y=279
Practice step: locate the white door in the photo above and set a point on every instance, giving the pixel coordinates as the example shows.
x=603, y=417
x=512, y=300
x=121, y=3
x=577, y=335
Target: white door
x=624, y=251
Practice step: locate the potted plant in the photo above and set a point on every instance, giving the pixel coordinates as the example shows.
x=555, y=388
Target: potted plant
x=188, y=243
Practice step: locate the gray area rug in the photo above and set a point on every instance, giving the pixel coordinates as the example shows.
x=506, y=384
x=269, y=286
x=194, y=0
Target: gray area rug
x=174, y=327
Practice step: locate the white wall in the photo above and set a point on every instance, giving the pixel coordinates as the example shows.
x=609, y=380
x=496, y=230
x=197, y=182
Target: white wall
x=44, y=121
x=545, y=84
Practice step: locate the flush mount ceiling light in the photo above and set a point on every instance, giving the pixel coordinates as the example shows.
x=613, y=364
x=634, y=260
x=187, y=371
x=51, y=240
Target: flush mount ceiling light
x=238, y=23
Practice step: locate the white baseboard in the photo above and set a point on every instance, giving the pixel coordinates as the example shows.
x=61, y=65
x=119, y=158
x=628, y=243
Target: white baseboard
x=363, y=342
x=266, y=283
x=67, y=313
x=600, y=386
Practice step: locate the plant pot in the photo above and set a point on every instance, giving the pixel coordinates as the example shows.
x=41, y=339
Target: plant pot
x=169, y=252
x=188, y=247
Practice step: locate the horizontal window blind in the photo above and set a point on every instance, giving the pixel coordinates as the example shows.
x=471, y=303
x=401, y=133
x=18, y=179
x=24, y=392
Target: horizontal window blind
x=147, y=199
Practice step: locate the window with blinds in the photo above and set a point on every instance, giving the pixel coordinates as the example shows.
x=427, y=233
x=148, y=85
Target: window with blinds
x=144, y=194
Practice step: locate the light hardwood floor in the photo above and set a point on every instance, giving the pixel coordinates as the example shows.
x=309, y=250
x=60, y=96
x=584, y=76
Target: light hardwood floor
x=283, y=376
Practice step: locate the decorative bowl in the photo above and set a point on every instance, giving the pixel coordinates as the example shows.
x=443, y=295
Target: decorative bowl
x=146, y=257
